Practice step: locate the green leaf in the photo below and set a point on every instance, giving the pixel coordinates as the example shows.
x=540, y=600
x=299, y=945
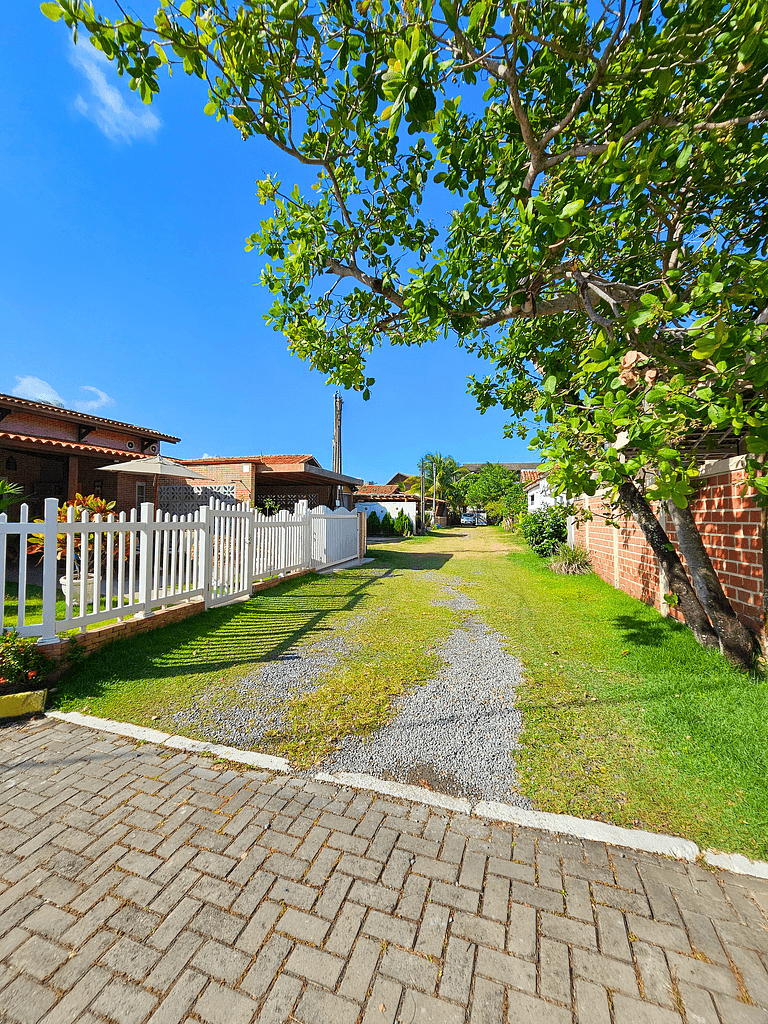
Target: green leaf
x=52, y=11
x=571, y=209
x=684, y=157
x=449, y=13
x=187, y=7
x=550, y=384
x=477, y=12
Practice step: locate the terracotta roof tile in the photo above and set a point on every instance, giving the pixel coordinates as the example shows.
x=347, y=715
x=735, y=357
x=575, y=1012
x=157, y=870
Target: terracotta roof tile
x=60, y=413
x=391, y=489
x=267, y=460
x=529, y=476
x=73, y=446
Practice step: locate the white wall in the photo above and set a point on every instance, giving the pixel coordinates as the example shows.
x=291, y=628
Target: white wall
x=538, y=496
x=393, y=507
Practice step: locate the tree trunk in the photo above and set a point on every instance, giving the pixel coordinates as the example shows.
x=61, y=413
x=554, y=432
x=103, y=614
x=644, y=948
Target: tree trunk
x=737, y=642
x=693, y=611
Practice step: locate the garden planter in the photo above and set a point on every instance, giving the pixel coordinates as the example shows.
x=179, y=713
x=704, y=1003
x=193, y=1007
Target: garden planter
x=76, y=584
x=25, y=703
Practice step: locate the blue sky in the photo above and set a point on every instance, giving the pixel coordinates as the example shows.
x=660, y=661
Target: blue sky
x=125, y=287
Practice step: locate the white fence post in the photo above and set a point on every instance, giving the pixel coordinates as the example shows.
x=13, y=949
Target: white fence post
x=249, y=525
x=49, y=569
x=145, y=558
x=206, y=518
x=301, y=511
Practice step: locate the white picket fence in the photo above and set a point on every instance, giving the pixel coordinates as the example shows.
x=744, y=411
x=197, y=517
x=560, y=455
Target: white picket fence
x=137, y=563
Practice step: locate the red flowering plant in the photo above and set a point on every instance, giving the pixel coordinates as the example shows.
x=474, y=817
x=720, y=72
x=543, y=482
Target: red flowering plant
x=81, y=503
x=22, y=663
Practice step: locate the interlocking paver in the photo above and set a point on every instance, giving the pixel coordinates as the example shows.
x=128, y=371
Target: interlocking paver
x=221, y=1005
x=456, y=977
x=131, y=958
x=123, y=1002
x=280, y=1001
x=409, y=969
x=38, y=957
x=345, y=929
x=391, y=929
x=320, y=1007
x=220, y=962
x=25, y=1001
x=139, y=887
x=360, y=968
x=424, y=1009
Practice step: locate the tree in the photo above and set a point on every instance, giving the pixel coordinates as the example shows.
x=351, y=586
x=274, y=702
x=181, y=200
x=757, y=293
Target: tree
x=442, y=474
x=495, y=486
x=604, y=247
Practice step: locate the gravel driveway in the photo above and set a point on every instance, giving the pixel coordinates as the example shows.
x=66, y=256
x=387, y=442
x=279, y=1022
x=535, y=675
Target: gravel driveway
x=456, y=733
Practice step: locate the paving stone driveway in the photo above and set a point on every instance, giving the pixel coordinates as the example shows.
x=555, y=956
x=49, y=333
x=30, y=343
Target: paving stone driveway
x=138, y=884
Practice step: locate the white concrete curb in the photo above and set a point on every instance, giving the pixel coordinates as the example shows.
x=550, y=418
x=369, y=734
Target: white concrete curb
x=585, y=828
x=416, y=793
x=737, y=863
x=564, y=824
x=164, y=739
x=136, y=732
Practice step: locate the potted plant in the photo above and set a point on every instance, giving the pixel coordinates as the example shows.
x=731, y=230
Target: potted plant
x=81, y=503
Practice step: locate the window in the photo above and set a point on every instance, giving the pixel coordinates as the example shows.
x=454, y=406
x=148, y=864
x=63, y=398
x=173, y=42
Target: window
x=98, y=488
x=141, y=493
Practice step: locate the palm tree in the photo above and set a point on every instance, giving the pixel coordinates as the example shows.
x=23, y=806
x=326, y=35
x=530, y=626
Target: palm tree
x=444, y=470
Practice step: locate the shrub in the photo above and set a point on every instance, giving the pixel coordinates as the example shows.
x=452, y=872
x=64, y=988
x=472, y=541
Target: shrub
x=403, y=524
x=387, y=525
x=545, y=530
x=91, y=504
x=374, y=525
x=570, y=560
x=21, y=660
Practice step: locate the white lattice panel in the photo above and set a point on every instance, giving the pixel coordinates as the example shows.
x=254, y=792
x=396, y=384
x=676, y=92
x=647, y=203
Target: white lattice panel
x=181, y=499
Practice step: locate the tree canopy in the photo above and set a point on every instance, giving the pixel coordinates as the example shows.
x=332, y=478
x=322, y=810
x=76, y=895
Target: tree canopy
x=574, y=191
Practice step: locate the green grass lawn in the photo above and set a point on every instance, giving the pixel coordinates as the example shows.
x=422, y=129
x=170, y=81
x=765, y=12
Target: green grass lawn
x=146, y=679
x=33, y=608
x=625, y=717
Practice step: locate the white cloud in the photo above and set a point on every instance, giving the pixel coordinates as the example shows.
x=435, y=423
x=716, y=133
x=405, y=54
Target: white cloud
x=37, y=390
x=101, y=399
x=118, y=117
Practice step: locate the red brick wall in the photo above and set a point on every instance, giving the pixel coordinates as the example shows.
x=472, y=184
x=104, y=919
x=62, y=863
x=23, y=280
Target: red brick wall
x=224, y=473
x=20, y=421
x=729, y=520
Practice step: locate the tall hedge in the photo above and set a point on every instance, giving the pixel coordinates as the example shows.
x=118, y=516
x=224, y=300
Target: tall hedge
x=374, y=525
x=546, y=529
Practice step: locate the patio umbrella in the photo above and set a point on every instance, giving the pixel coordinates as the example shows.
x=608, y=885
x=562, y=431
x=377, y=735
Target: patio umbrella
x=156, y=466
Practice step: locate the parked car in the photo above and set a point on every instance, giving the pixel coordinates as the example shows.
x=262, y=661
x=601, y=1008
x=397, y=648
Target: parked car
x=481, y=518
x=468, y=519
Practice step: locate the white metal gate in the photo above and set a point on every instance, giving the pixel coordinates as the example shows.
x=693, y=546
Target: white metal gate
x=228, y=541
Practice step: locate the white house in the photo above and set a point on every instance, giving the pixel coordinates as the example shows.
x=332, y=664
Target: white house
x=537, y=490
x=382, y=498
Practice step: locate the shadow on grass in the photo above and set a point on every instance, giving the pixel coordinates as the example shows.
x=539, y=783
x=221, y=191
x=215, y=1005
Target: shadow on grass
x=230, y=639
x=648, y=632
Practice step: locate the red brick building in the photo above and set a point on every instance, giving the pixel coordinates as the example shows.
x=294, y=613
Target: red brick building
x=732, y=527
x=280, y=479
x=55, y=453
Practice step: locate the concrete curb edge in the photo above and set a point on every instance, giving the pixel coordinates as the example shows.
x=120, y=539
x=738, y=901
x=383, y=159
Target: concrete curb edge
x=563, y=824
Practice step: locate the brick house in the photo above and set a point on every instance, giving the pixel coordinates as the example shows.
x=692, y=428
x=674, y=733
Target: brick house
x=55, y=453
x=280, y=479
